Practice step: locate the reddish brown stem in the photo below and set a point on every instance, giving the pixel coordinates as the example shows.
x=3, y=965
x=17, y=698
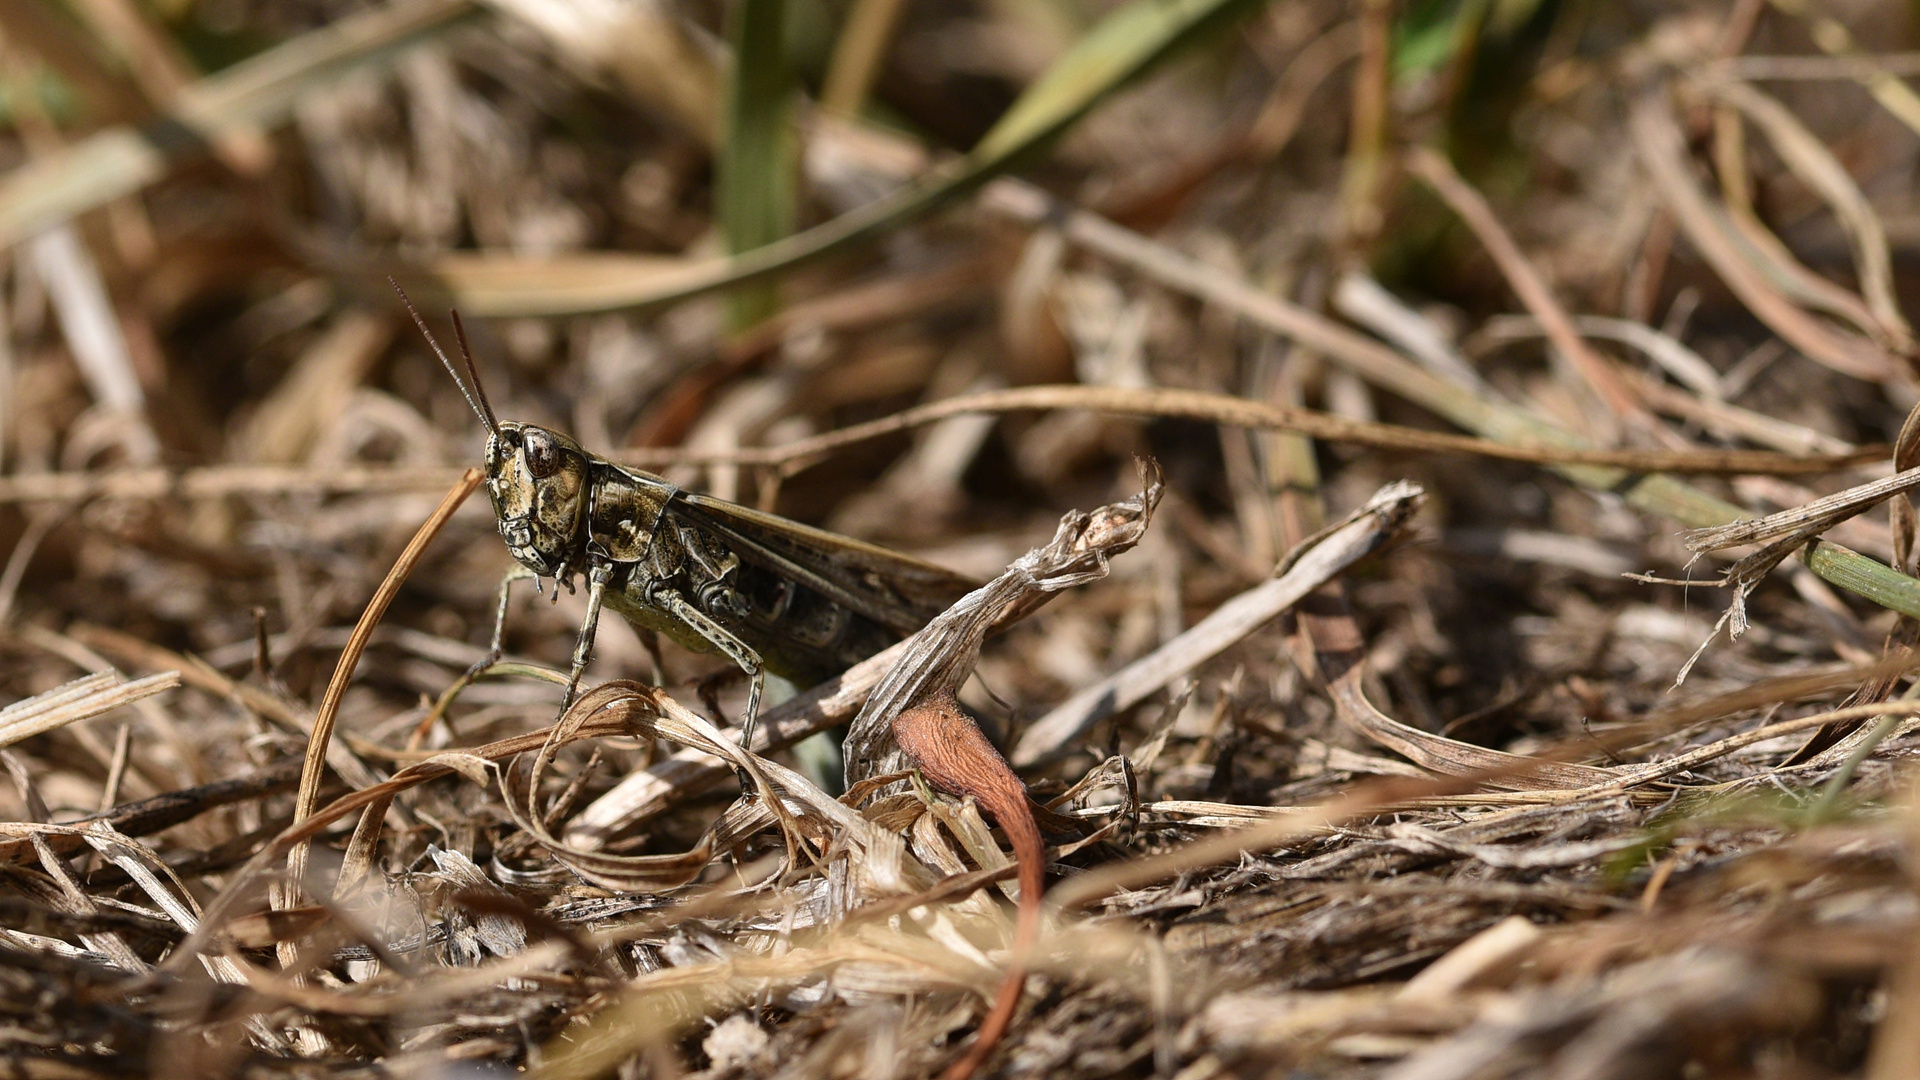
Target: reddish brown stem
x=955, y=756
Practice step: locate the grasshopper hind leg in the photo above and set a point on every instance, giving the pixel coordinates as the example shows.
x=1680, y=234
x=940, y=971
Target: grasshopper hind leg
x=673, y=603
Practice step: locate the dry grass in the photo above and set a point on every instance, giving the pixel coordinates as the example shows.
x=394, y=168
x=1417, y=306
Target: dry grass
x=1444, y=321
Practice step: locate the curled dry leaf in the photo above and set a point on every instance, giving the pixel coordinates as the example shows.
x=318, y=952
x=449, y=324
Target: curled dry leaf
x=811, y=820
x=913, y=718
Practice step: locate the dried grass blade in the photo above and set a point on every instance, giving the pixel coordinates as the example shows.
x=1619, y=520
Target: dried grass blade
x=320, y=740
x=942, y=655
x=219, y=481
x=1834, y=39
x=1341, y=654
x=1365, y=301
x=1817, y=167
x=1783, y=533
x=259, y=92
x=647, y=49
x=690, y=771
x=500, y=285
x=474, y=764
x=1661, y=146
x=857, y=55
x=1685, y=365
x=1360, y=801
x=658, y=1007
x=1658, y=493
x=88, y=321
x=1536, y=448
x=80, y=699
x=913, y=719
x=1679, y=763
x=1438, y=173
x=1242, y=412
x=414, y=994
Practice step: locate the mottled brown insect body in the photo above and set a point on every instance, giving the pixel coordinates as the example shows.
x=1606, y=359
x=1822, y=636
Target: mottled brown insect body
x=767, y=593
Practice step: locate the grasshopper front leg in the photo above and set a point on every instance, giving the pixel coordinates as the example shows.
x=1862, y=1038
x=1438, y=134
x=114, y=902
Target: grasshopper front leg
x=597, y=579
x=496, y=646
x=496, y=651
x=670, y=600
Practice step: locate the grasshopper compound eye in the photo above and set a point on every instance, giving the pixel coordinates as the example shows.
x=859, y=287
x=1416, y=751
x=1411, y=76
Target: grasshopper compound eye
x=543, y=453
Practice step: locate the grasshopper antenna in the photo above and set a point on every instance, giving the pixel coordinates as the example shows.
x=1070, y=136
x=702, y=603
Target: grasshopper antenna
x=476, y=400
x=473, y=373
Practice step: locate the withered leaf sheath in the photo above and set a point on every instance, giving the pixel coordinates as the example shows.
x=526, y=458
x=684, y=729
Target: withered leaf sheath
x=940, y=660
x=767, y=593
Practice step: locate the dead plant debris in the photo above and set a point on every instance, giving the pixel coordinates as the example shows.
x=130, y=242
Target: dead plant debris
x=1470, y=345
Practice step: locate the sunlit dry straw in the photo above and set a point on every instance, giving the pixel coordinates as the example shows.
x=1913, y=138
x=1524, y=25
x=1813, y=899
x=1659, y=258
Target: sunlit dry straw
x=78, y=700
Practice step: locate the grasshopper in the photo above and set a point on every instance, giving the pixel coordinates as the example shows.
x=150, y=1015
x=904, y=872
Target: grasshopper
x=771, y=595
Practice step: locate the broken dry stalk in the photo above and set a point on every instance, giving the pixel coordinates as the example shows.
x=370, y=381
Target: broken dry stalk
x=1317, y=560
x=1819, y=515
x=1783, y=534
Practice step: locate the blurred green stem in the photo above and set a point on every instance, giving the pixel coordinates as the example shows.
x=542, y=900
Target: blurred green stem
x=756, y=182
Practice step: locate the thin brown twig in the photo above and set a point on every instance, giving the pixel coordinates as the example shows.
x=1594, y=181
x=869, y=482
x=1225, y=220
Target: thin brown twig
x=1439, y=174
x=1241, y=412
x=220, y=481
x=308, y=797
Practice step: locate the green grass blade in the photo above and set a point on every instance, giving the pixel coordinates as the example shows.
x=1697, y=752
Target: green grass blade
x=755, y=183
x=1115, y=52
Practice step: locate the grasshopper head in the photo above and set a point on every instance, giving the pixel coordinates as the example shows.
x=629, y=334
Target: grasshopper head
x=536, y=477
x=537, y=480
